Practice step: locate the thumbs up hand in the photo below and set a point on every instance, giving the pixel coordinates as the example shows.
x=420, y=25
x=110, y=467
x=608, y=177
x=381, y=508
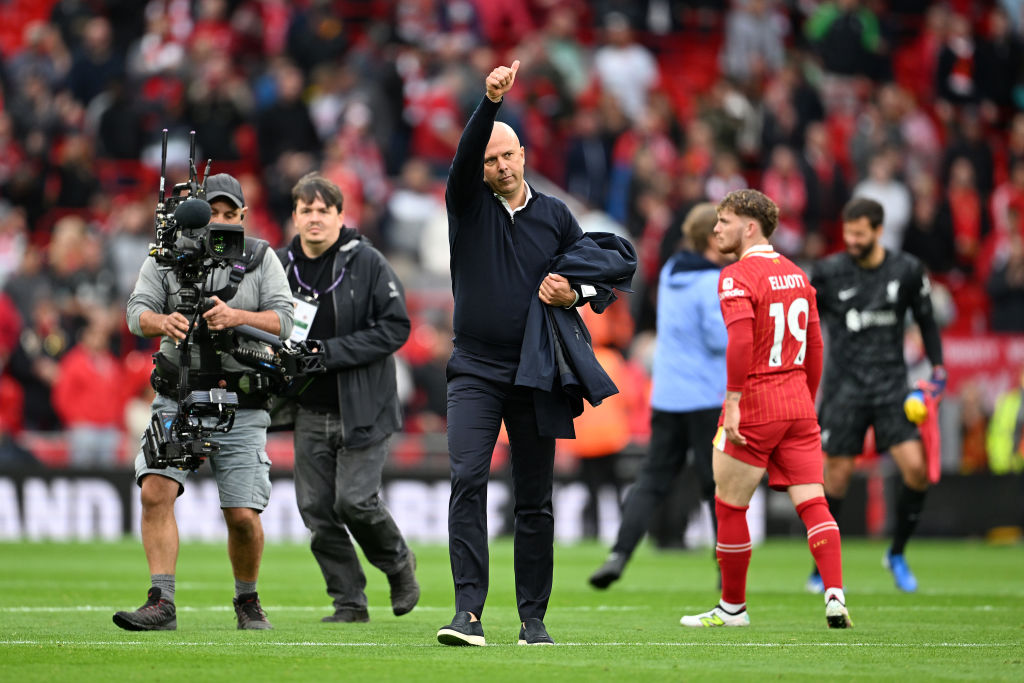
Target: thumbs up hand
x=500, y=81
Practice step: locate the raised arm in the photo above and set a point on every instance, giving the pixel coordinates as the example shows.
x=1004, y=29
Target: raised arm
x=466, y=171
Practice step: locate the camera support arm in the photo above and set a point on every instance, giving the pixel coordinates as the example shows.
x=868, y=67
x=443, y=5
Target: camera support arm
x=185, y=353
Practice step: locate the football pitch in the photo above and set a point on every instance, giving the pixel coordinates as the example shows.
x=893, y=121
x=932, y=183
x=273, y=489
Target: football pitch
x=966, y=622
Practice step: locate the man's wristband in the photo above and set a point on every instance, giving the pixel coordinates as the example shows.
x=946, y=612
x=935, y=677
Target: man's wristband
x=574, y=301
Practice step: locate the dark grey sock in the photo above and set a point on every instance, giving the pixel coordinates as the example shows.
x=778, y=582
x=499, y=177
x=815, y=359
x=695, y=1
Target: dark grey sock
x=835, y=505
x=242, y=587
x=165, y=582
x=908, y=512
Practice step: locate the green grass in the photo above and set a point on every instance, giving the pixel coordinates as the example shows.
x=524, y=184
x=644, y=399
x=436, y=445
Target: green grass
x=966, y=622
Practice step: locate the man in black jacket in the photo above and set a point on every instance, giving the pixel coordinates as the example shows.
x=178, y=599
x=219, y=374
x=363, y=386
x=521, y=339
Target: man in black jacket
x=347, y=298
x=502, y=235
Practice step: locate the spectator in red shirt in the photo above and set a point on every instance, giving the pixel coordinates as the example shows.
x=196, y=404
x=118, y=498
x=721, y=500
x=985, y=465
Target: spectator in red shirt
x=89, y=397
x=432, y=109
x=957, y=71
x=1008, y=200
x=783, y=181
x=213, y=30
x=504, y=23
x=10, y=327
x=970, y=220
x=10, y=392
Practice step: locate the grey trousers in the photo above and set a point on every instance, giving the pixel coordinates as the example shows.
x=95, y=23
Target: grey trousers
x=338, y=493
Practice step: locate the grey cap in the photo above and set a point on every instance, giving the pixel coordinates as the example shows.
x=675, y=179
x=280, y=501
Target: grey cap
x=224, y=185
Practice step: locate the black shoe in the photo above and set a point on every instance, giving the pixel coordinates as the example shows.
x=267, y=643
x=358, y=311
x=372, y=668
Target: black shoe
x=609, y=572
x=155, y=615
x=405, y=590
x=533, y=633
x=346, y=615
x=251, y=616
x=462, y=631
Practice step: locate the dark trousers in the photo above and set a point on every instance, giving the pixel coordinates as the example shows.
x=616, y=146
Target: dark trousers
x=338, y=493
x=672, y=436
x=596, y=473
x=476, y=409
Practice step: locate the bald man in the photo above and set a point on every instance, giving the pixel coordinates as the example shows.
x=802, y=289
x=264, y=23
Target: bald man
x=502, y=235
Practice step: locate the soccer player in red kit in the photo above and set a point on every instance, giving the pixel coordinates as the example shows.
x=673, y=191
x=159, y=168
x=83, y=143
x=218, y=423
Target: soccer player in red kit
x=773, y=362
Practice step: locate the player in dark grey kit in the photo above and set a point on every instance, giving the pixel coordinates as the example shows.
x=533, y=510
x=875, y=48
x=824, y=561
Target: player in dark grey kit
x=863, y=296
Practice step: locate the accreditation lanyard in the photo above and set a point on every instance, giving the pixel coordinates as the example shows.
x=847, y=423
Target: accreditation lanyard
x=306, y=305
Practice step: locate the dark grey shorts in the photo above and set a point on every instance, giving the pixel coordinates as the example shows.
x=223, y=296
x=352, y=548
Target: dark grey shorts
x=843, y=427
x=241, y=467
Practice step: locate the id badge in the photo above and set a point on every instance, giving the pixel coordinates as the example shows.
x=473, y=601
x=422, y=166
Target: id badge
x=305, y=311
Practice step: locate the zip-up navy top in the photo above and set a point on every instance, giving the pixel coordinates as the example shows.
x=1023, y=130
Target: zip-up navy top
x=497, y=259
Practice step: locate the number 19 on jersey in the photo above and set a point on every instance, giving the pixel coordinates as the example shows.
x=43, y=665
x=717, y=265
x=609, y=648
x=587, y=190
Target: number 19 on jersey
x=791, y=320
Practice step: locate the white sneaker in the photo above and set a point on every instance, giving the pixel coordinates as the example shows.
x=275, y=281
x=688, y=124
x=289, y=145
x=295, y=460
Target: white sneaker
x=836, y=614
x=717, y=617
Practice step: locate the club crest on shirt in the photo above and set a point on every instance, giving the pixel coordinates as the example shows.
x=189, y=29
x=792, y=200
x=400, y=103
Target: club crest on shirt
x=892, y=291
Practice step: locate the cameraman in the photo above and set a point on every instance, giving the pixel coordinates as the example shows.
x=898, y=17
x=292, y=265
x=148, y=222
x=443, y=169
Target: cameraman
x=262, y=300
x=347, y=296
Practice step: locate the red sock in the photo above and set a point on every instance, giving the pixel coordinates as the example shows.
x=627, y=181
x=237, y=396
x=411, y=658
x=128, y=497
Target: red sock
x=733, y=551
x=823, y=540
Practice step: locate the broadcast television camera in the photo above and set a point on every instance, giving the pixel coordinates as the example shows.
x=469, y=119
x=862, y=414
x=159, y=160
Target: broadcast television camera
x=186, y=241
x=192, y=248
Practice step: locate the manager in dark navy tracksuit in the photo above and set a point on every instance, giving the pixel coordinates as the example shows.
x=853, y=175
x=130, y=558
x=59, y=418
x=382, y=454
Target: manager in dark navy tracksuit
x=502, y=235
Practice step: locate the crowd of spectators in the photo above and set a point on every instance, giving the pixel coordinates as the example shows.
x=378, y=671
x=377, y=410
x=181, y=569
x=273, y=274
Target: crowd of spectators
x=632, y=111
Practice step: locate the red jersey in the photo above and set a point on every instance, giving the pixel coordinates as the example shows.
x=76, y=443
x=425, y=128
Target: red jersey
x=778, y=295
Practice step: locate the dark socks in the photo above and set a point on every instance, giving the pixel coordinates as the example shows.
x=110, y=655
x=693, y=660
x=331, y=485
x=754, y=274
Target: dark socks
x=908, y=512
x=835, y=505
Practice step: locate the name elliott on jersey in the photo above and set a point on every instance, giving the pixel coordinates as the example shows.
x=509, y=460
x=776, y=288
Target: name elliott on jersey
x=791, y=281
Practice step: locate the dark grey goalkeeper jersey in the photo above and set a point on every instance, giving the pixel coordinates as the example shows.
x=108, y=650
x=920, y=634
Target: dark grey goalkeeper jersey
x=864, y=312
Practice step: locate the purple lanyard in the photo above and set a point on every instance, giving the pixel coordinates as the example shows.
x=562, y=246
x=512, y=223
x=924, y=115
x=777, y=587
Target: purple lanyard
x=298, y=278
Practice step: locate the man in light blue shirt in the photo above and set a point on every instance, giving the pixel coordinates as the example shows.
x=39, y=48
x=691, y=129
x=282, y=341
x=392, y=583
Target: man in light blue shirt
x=688, y=384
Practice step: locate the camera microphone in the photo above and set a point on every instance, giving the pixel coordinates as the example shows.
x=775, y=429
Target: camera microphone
x=193, y=214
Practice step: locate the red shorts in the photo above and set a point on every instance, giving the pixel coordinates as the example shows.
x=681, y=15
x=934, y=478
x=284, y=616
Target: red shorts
x=790, y=450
